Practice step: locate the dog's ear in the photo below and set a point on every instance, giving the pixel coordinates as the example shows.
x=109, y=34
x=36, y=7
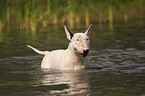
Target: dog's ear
x=68, y=33
x=88, y=32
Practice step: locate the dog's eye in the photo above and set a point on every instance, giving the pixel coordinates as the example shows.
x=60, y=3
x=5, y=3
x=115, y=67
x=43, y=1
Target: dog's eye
x=87, y=39
x=77, y=39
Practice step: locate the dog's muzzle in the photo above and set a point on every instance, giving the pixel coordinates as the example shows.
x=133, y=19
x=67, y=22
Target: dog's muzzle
x=85, y=53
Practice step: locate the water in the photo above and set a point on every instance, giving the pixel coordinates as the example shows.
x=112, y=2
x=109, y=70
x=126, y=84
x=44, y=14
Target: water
x=117, y=60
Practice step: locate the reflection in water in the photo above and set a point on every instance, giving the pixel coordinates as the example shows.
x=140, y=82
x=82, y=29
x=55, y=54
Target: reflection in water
x=69, y=82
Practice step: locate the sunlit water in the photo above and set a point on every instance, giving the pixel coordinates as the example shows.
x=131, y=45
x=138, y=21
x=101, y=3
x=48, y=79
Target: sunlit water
x=117, y=60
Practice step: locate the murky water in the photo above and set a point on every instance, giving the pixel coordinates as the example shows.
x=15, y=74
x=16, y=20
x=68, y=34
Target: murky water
x=117, y=60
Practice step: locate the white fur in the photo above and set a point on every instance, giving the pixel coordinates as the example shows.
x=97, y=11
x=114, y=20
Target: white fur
x=71, y=58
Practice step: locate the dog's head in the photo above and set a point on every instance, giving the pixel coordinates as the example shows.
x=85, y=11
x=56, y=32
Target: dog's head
x=80, y=41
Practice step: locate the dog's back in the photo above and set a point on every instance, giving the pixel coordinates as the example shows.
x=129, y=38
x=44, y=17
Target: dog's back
x=52, y=60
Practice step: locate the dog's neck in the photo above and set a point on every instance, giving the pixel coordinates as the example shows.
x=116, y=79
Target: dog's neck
x=76, y=57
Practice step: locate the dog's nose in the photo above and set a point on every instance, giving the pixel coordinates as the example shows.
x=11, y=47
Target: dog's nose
x=86, y=51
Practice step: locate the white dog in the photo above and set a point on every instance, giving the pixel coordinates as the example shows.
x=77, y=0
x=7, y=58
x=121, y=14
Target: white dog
x=73, y=58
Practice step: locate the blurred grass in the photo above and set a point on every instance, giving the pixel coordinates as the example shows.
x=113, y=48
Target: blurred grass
x=3, y=11
x=38, y=14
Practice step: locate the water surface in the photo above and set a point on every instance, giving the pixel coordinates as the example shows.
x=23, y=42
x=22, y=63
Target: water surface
x=117, y=60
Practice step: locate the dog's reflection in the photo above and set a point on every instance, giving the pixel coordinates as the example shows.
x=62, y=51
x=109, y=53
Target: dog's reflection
x=67, y=83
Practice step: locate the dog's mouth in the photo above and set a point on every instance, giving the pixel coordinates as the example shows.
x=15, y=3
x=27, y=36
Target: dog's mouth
x=82, y=54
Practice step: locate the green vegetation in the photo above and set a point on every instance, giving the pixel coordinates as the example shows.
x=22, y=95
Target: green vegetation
x=33, y=14
x=3, y=11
